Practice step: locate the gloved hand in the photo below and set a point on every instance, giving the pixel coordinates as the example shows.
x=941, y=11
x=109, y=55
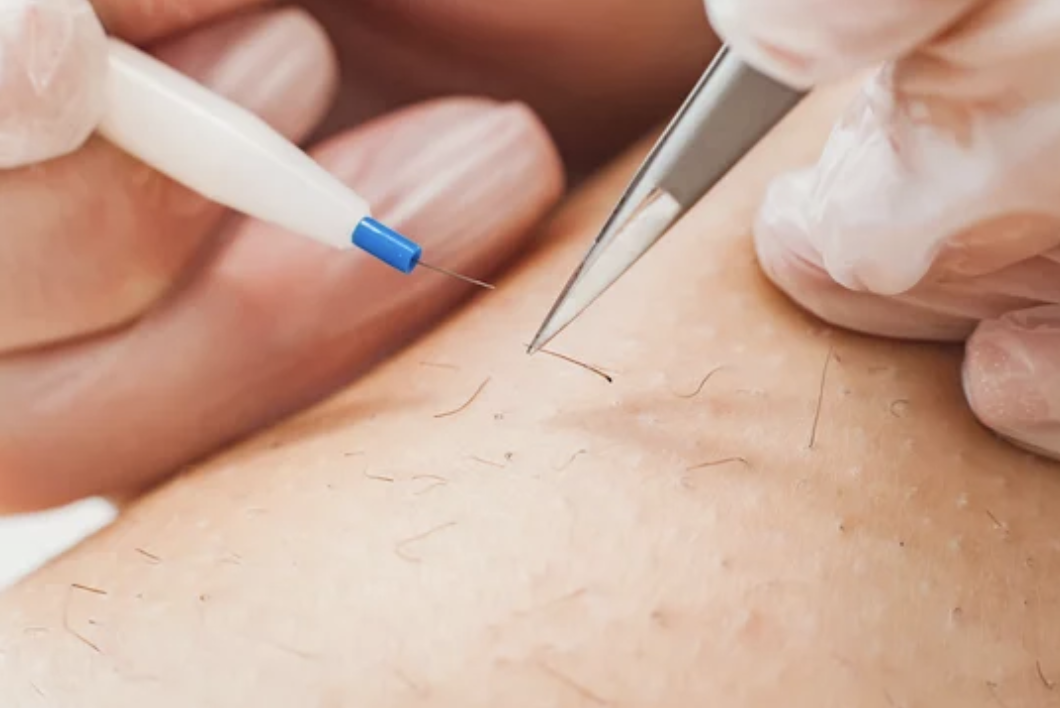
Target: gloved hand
x=934, y=211
x=140, y=329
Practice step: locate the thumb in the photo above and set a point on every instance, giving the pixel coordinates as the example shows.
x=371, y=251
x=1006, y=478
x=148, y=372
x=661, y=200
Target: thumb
x=53, y=60
x=804, y=42
x=1012, y=377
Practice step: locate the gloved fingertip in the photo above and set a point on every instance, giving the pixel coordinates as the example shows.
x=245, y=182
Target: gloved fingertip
x=51, y=79
x=787, y=65
x=808, y=42
x=1011, y=378
x=872, y=220
x=790, y=258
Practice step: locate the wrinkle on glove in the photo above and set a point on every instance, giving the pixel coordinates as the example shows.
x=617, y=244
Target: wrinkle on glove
x=934, y=210
x=53, y=60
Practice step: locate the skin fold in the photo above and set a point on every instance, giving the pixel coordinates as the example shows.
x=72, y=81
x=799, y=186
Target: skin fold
x=759, y=511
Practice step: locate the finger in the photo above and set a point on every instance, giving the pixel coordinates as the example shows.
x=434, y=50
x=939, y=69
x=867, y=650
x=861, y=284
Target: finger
x=1004, y=50
x=941, y=310
x=556, y=55
x=1012, y=377
x=51, y=78
x=276, y=321
x=792, y=261
x=908, y=191
x=805, y=42
x=142, y=21
x=54, y=64
x=93, y=238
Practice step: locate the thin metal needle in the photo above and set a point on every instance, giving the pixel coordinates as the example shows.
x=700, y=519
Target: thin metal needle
x=458, y=276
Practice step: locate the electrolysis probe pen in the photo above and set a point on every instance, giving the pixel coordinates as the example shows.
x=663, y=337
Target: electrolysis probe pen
x=232, y=157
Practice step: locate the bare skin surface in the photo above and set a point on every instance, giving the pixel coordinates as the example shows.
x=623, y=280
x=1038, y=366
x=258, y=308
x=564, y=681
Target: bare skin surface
x=470, y=527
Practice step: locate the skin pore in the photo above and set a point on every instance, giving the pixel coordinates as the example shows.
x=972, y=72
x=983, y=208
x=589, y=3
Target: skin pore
x=820, y=523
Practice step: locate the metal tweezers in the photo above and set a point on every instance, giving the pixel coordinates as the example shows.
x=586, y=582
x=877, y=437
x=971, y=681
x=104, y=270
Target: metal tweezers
x=728, y=112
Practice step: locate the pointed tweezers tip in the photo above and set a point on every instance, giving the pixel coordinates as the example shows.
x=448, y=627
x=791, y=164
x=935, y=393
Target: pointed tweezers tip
x=540, y=339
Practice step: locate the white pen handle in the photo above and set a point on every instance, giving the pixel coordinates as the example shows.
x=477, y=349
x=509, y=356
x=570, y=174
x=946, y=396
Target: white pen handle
x=222, y=151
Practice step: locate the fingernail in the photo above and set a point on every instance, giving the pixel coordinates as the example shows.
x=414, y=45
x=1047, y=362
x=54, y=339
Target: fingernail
x=278, y=64
x=1011, y=378
x=454, y=174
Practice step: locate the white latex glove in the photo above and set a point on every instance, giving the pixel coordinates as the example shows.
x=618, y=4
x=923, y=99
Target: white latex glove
x=934, y=211
x=53, y=59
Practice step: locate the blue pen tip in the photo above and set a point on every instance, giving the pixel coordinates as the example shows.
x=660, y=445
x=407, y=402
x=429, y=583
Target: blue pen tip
x=387, y=245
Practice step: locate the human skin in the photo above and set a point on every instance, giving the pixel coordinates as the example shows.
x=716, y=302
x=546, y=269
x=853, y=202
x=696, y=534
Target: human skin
x=112, y=275
x=558, y=540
